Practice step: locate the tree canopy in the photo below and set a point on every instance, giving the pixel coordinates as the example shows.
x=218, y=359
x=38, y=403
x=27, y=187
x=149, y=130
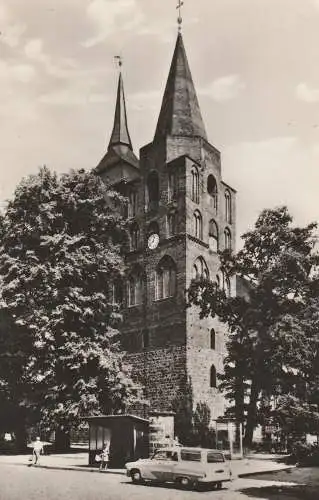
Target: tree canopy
x=61, y=250
x=273, y=321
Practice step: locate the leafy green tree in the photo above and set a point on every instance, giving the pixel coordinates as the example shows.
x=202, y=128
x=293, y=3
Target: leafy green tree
x=203, y=433
x=61, y=250
x=272, y=341
x=192, y=426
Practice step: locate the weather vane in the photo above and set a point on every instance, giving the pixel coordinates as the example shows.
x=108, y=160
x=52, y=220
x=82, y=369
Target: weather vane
x=180, y=19
x=119, y=61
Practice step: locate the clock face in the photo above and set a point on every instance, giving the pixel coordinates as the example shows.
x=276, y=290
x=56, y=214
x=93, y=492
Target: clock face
x=153, y=241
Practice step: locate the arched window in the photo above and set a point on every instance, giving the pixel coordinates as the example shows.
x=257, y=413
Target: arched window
x=117, y=292
x=198, y=225
x=213, y=376
x=172, y=186
x=227, y=236
x=131, y=292
x=153, y=193
x=212, y=190
x=217, y=280
x=135, y=237
x=195, y=185
x=196, y=273
x=213, y=236
x=135, y=289
x=146, y=339
x=200, y=269
x=226, y=285
x=212, y=339
x=165, y=283
x=132, y=204
x=228, y=210
x=171, y=224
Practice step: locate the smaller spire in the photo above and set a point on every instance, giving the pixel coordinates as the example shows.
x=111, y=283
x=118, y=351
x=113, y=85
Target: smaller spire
x=180, y=19
x=120, y=133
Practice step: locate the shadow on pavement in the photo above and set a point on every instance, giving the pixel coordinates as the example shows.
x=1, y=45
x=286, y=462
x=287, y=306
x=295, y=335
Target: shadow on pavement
x=173, y=486
x=298, y=492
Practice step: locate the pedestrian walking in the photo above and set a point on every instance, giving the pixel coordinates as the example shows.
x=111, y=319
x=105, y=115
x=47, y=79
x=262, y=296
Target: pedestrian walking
x=105, y=455
x=37, y=446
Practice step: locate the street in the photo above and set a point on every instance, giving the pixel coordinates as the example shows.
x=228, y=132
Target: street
x=32, y=483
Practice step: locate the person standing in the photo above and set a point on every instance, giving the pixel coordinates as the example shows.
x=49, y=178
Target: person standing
x=105, y=456
x=37, y=450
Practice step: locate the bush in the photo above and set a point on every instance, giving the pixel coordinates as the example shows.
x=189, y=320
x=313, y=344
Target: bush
x=305, y=454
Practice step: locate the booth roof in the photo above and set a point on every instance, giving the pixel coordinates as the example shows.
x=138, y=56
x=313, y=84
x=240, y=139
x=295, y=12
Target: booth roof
x=101, y=418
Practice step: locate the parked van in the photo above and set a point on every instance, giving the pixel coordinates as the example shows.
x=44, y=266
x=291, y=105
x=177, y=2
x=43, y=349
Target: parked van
x=189, y=467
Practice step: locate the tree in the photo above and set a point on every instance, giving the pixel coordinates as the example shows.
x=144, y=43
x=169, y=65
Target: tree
x=272, y=342
x=192, y=426
x=183, y=408
x=203, y=433
x=61, y=250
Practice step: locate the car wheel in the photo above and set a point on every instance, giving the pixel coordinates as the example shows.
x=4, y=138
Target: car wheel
x=219, y=485
x=185, y=482
x=136, y=476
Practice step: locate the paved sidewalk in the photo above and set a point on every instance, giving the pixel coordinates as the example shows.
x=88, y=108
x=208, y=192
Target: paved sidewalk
x=79, y=462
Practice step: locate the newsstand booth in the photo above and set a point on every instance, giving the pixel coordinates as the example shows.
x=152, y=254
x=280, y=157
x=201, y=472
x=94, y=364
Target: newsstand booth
x=127, y=435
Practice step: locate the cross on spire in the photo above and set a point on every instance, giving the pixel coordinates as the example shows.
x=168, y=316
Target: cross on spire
x=179, y=19
x=119, y=61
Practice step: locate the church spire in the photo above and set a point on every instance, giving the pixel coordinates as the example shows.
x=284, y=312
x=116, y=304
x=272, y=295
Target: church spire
x=120, y=134
x=120, y=157
x=180, y=114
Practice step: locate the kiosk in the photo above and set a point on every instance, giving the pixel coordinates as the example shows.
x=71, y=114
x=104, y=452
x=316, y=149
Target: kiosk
x=127, y=435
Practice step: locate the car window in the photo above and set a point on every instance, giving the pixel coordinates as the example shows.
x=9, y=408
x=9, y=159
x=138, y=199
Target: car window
x=175, y=456
x=160, y=455
x=191, y=455
x=165, y=455
x=214, y=458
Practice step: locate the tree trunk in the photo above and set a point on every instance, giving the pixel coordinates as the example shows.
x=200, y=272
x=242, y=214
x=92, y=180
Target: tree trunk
x=239, y=409
x=251, y=414
x=21, y=437
x=62, y=439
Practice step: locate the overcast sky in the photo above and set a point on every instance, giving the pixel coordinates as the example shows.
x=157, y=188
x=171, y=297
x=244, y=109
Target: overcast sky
x=255, y=64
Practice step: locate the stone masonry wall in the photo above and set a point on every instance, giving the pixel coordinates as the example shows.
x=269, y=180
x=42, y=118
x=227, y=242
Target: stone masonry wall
x=163, y=371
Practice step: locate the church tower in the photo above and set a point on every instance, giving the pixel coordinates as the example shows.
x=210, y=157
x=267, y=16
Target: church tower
x=181, y=213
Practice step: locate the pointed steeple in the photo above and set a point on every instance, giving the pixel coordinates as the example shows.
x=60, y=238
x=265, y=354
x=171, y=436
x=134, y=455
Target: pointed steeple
x=180, y=114
x=120, y=154
x=120, y=133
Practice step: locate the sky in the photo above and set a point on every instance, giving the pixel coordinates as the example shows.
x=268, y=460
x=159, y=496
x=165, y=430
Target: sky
x=255, y=64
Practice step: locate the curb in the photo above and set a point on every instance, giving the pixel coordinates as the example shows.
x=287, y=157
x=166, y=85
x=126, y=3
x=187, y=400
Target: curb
x=273, y=471
x=77, y=469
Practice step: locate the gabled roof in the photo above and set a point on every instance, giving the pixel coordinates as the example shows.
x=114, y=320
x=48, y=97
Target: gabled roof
x=180, y=113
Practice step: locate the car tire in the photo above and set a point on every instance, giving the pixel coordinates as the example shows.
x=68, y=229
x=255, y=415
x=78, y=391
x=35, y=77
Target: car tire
x=185, y=482
x=136, y=476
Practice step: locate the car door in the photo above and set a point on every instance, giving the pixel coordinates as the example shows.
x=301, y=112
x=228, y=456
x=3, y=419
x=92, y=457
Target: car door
x=217, y=467
x=189, y=464
x=159, y=468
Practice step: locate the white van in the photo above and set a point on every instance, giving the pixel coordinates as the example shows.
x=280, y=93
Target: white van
x=189, y=467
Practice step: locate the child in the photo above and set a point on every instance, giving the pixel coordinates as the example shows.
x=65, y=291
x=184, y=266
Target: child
x=104, y=456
